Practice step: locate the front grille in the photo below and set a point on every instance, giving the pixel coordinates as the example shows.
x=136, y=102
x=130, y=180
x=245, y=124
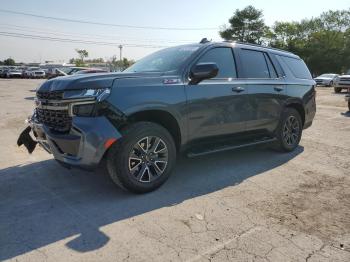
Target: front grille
x=56, y=95
x=343, y=79
x=57, y=120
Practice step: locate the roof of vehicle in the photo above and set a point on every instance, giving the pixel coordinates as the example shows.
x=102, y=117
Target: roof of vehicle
x=330, y=74
x=252, y=46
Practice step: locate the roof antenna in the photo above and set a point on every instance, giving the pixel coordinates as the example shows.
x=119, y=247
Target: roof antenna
x=204, y=40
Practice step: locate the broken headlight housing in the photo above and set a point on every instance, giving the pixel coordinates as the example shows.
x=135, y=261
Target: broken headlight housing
x=98, y=94
x=85, y=100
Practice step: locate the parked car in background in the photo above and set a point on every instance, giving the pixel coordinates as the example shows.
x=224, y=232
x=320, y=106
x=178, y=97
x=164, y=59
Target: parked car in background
x=198, y=99
x=3, y=70
x=75, y=70
x=38, y=73
x=13, y=73
x=325, y=79
x=55, y=72
x=27, y=72
x=342, y=82
x=91, y=71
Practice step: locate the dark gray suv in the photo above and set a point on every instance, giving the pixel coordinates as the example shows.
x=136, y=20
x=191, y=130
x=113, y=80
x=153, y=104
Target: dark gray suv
x=198, y=99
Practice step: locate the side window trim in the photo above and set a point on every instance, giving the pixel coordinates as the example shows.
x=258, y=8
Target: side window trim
x=277, y=65
x=267, y=60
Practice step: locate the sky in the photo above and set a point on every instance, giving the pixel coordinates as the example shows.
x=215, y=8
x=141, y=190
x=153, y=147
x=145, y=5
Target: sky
x=206, y=15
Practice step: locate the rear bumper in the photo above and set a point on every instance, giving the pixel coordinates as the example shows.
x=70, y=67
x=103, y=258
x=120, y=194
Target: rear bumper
x=85, y=144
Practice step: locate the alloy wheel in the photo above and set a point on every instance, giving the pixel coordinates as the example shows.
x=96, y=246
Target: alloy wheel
x=148, y=159
x=291, y=131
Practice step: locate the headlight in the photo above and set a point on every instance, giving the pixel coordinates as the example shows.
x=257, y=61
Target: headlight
x=99, y=94
x=336, y=79
x=86, y=106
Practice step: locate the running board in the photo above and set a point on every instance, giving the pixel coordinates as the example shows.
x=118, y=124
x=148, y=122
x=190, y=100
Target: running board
x=228, y=147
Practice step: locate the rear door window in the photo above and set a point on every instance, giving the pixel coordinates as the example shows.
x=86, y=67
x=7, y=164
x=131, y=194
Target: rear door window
x=254, y=64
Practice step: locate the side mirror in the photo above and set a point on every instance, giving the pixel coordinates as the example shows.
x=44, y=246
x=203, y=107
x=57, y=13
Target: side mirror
x=203, y=71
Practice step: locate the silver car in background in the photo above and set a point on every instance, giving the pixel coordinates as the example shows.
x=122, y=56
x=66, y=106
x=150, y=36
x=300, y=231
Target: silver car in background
x=326, y=79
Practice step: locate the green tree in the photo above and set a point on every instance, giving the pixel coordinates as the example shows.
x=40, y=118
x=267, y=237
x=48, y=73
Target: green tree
x=120, y=65
x=9, y=62
x=323, y=42
x=246, y=25
x=82, y=54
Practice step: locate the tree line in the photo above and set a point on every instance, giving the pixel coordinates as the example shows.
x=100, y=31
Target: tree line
x=113, y=63
x=322, y=42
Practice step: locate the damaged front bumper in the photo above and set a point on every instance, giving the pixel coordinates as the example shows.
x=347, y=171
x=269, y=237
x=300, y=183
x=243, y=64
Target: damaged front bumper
x=83, y=146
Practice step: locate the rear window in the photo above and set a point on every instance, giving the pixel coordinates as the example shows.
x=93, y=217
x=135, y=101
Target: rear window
x=297, y=67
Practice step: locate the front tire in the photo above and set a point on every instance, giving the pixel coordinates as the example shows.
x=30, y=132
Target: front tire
x=143, y=159
x=330, y=84
x=289, y=131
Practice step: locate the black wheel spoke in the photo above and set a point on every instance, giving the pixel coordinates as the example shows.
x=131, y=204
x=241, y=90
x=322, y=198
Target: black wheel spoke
x=291, y=131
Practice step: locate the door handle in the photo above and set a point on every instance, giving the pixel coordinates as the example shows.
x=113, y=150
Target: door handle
x=238, y=89
x=278, y=88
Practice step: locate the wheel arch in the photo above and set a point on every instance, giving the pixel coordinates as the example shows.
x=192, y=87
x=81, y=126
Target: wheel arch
x=297, y=105
x=161, y=117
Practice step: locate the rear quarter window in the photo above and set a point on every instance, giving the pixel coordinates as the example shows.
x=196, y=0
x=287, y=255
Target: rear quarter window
x=297, y=67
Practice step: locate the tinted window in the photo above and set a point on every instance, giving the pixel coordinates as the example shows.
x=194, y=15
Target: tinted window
x=272, y=70
x=169, y=59
x=223, y=58
x=254, y=64
x=297, y=67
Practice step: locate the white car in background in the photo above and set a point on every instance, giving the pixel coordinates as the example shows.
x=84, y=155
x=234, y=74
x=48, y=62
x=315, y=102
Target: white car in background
x=326, y=79
x=342, y=82
x=34, y=72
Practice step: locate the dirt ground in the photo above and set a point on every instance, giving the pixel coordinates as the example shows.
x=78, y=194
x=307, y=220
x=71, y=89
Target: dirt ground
x=247, y=205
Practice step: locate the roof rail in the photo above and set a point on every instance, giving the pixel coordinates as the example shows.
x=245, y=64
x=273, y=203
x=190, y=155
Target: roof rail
x=257, y=45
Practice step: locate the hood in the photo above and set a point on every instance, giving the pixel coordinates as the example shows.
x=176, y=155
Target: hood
x=346, y=76
x=89, y=81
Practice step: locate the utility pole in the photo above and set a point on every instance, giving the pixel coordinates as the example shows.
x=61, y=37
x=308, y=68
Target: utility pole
x=120, y=52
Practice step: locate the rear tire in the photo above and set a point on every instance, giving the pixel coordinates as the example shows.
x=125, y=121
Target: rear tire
x=143, y=159
x=337, y=89
x=289, y=131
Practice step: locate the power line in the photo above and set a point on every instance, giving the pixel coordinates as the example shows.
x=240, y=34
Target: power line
x=79, y=41
x=90, y=36
x=107, y=24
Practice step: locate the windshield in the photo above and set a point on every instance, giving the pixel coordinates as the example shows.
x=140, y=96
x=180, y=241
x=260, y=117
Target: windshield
x=169, y=59
x=327, y=75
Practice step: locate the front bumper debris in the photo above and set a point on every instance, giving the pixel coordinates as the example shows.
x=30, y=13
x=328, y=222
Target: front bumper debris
x=83, y=146
x=26, y=140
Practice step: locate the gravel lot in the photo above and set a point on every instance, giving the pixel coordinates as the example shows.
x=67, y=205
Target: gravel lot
x=247, y=205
